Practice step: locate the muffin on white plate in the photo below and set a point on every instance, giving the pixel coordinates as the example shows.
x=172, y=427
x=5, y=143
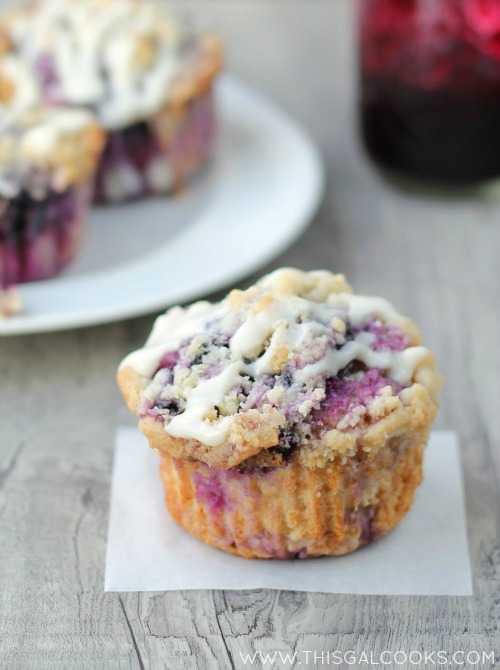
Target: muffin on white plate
x=48, y=158
x=147, y=79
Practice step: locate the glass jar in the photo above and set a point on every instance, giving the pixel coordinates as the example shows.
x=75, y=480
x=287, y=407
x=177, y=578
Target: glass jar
x=430, y=87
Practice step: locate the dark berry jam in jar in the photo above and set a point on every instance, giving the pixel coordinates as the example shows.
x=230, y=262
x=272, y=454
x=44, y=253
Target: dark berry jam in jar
x=430, y=87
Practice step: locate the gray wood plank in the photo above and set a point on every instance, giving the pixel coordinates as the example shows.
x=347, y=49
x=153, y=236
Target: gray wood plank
x=434, y=256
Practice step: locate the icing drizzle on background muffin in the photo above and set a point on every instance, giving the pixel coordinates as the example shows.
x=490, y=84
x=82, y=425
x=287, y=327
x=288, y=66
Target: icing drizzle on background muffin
x=34, y=149
x=117, y=57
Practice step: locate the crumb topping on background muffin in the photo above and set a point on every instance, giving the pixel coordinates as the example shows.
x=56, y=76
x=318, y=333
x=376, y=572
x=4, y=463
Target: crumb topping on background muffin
x=41, y=146
x=120, y=58
x=297, y=360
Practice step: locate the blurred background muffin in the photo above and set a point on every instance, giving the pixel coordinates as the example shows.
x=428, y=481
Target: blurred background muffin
x=48, y=158
x=147, y=80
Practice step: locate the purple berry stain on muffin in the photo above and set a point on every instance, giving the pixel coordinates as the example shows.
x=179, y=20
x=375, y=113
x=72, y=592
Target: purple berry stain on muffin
x=211, y=492
x=387, y=336
x=348, y=396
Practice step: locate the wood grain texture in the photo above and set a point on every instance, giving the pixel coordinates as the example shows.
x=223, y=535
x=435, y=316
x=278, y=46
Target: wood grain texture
x=435, y=256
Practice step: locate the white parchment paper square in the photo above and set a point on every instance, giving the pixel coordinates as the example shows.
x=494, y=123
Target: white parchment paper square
x=427, y=554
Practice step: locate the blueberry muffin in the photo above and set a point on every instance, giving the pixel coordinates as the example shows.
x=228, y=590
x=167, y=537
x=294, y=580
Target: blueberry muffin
x=147, y=80
x=48, y=158
x=290, y=418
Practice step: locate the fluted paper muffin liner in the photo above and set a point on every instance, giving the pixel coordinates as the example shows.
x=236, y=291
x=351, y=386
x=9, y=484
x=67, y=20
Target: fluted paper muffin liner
x=296, y=511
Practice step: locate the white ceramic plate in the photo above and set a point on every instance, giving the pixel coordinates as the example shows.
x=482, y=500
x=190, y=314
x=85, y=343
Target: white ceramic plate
x=262, y=187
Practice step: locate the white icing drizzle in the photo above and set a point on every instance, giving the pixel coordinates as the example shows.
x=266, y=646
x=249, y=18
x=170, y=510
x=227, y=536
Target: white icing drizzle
x=273, y=323
x=94, y=47
x=192, y=422
x=168, y=332
x=399, y=364
x=362, y=307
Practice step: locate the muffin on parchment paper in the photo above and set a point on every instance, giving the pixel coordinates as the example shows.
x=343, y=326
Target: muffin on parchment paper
x=48, y=158
x=290, y=418
x=146, y=78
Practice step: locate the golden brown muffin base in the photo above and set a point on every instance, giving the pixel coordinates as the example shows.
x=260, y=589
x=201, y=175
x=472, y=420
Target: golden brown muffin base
x=296, y=511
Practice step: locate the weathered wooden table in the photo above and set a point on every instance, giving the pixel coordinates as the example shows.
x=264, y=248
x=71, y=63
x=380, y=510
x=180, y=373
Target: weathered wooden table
x=435, y=256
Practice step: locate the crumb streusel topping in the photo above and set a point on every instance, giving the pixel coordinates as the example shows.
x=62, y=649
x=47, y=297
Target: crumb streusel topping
x=41, y=146
x=296, y=354
x=119, y=58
